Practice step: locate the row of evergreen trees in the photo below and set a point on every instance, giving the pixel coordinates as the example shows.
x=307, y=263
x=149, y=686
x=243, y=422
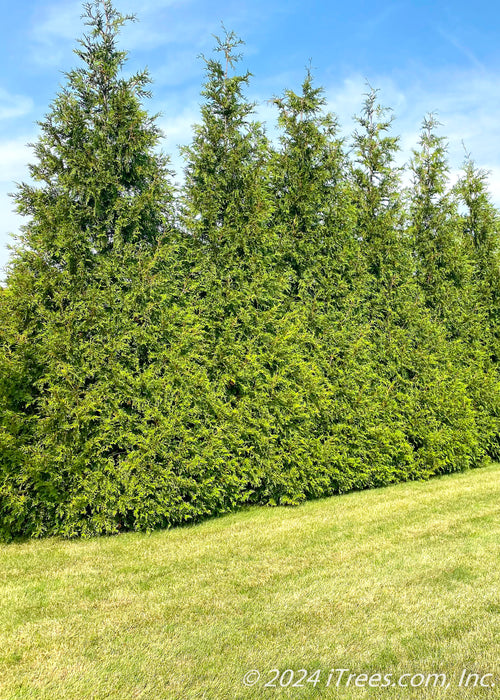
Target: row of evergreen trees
x=292, y=323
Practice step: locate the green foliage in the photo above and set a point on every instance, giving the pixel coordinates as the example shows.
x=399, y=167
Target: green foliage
x=425, y=402
x=442, y=261
x=293, y=323
x=80, y=326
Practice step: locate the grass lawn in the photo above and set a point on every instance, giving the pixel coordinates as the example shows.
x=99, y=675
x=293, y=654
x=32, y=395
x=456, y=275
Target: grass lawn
x=399, y=580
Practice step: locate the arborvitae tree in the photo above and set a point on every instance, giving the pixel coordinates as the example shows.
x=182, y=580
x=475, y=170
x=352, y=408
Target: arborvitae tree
x=380, y=214
x=84, y=392
x=445, y=261
x=480, y=330
x=480, y=225
x=423, y=402
x=226, y=198
x=442, y=264
x=225, y=209
x=312, y=213
x=256, y=344
x=314, y=216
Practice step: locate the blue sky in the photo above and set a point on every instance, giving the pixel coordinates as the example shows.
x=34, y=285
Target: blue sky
x=424, y=56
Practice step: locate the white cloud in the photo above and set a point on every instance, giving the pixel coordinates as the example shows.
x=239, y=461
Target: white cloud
x=55, y=31
x=466, y=104
x=14, y=156
x=180, y=67
x=171, y=24
x=62, y=21
x=178, y=131
x=178, y=128
x=155, y=29
x=12, y=106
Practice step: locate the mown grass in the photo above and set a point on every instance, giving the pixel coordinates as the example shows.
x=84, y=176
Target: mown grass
x=404, y=579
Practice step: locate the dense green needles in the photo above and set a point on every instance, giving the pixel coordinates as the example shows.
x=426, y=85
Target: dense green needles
x=293, y=322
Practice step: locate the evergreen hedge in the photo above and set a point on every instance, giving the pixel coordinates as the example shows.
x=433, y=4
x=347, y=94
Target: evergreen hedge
x=292, y=323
